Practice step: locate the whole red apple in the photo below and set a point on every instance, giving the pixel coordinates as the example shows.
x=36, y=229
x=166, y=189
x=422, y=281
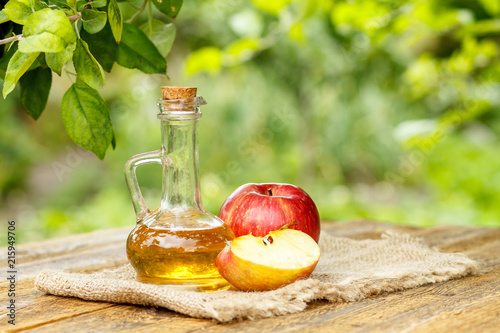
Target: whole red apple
x=258, y=209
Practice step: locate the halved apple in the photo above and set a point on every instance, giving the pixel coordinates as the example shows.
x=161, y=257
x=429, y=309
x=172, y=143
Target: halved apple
x=265, y=263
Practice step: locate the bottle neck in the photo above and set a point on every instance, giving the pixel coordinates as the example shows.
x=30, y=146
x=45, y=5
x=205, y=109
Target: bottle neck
x=180, y=180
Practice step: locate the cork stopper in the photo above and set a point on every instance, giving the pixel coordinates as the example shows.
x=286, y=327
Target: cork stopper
x=173, y=92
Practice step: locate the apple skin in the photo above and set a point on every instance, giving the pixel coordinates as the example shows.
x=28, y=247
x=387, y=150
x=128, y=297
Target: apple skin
x=263, y=274
x=252, y=209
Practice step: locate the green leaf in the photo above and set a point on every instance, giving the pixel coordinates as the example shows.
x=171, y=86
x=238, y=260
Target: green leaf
x=56, y=61
x=47, y=30
x=137, y=51
x=161, y=34
x=3, y=17
x=99, y=3
x=40, y=61
x=4, y=60
x=35, y=88
x=60, y=3
x=36, y=63
x=115, y=20
x=93, y=20
x=18, y=65
x=80, y=4
x=44, y=42
x=103, y=47
x=271, y=7
x=87, y=68
x=86, y=118
x=18, y=11
x=491, y=6
x=168, y=7
x=208, y=59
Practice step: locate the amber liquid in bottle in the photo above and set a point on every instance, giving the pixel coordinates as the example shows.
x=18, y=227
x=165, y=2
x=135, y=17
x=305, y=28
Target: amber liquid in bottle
x=163, y=254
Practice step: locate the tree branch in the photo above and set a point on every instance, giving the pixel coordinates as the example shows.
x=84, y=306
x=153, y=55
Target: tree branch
x=11, y=39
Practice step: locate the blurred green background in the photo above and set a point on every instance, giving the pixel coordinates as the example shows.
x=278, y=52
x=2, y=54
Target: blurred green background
x=386, y=110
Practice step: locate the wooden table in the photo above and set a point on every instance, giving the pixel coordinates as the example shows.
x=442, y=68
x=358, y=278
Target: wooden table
x=471, y=304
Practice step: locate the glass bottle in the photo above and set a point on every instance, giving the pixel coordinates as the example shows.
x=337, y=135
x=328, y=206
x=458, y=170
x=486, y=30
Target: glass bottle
x=177, y=243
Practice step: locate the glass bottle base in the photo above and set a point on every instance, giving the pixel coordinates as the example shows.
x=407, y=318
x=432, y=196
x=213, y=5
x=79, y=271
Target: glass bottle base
x=200, y=285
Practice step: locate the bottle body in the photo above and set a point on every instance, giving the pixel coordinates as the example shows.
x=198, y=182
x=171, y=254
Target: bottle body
x=163, y=252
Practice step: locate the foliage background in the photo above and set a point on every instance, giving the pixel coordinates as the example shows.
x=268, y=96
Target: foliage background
x=379, y=109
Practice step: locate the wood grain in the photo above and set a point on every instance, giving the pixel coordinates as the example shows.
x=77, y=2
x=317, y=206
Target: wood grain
x=471, y=304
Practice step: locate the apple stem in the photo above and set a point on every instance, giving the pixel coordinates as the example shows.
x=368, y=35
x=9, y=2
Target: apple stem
x=286, y=226
x=270, y=192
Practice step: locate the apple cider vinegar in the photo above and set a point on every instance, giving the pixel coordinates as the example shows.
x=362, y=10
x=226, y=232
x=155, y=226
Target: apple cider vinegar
x=177, y=243
x=165, y=255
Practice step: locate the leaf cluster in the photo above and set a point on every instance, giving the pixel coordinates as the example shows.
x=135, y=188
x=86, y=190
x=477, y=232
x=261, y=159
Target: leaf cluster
x=39, y=37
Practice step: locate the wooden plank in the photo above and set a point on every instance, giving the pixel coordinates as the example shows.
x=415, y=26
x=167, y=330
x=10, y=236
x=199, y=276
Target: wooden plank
x=458, y=238
x=104, y=248
x=106, y=255
x=481, y=316
x=69, y=244
x=85, y=252
x=363, y=229
x=120, y=318
x=395, y=312
x=34, y=308
x=426, y=305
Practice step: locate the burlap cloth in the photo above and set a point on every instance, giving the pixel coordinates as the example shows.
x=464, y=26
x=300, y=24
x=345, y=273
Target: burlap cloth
x=349, y=270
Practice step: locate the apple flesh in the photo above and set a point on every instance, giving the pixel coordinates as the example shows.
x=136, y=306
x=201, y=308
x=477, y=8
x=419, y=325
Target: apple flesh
x=266, y=263
x=258, y=209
